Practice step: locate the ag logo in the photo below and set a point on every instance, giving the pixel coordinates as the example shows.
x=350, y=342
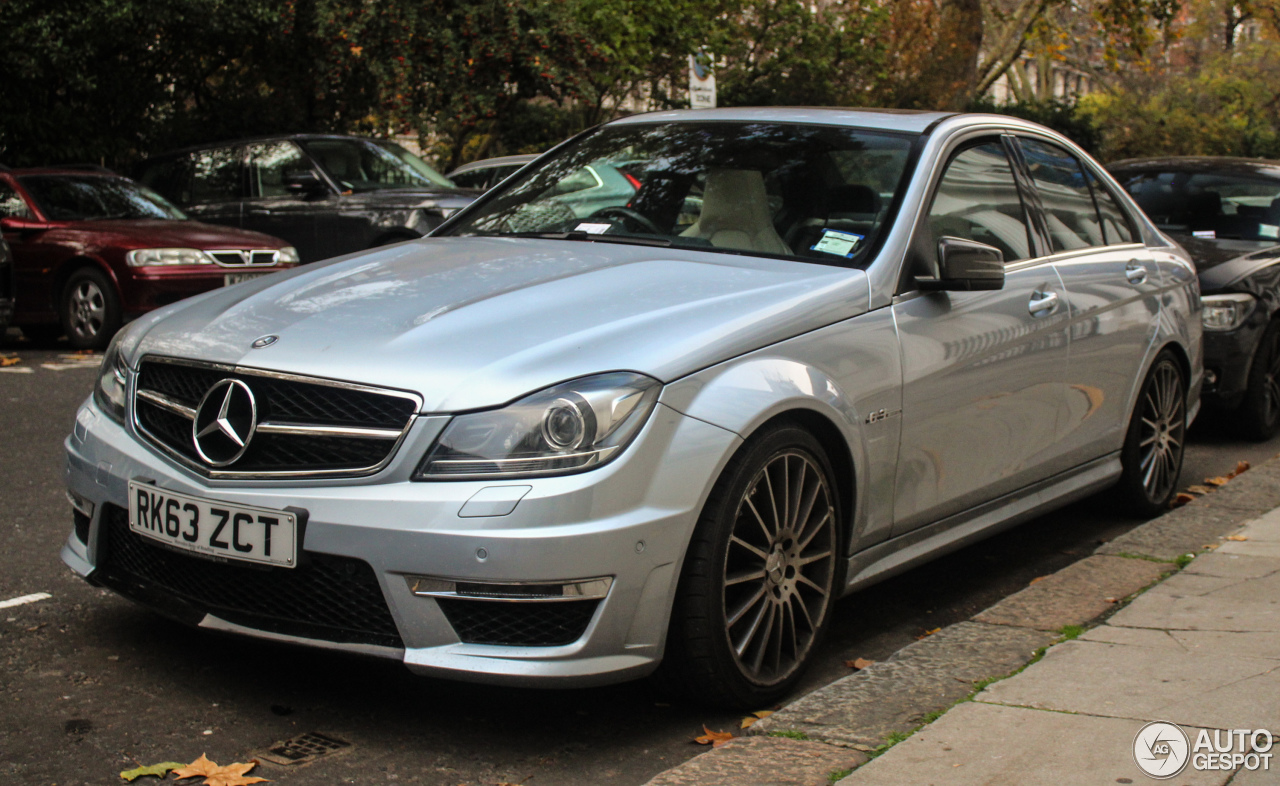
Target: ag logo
x=225, y=422
x=1161, y=749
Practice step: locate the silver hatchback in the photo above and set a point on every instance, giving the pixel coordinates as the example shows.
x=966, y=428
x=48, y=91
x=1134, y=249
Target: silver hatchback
x=812, y=349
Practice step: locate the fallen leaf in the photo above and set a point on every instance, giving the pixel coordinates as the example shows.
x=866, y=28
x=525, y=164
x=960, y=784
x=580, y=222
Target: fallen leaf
x=4, y=362
x=1112, y=600
x=1037, y=578
x=751, y=719
x=1218, y=481
x=713, y=738
x=158, y=770
x=928, y=633
x=1241, y=466
x=230, y=775
x=1237, y=537
x=1199, y=489
x=1182, y=499
x=859, y=663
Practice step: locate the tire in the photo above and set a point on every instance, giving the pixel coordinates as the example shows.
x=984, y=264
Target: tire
x=89, y=309
x=757, y=586
x=1156, y=439
x=1259, y=413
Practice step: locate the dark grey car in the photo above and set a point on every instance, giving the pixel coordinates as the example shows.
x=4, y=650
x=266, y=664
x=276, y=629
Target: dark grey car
x=326, y=195
x=1226, y=213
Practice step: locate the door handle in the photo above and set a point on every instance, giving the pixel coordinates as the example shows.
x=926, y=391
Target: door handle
x=1135, y=271
x=1043, y=303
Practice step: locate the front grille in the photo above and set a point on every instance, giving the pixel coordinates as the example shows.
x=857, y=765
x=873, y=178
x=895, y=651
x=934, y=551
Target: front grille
x=326, y=597
x=350, y=429
x=535, y=624
x=236, y=258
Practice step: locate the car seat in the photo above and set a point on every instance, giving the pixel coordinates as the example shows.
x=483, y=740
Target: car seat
x=735, y=213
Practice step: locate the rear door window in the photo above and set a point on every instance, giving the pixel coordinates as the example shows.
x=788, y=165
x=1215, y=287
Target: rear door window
x=1065, y=196
x=1115, y=223
x=270, y=162
x=12, y=205
x=217, y=175
x=977, y=199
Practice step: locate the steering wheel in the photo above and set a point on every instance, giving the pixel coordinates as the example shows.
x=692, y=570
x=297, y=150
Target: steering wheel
x=628, y=213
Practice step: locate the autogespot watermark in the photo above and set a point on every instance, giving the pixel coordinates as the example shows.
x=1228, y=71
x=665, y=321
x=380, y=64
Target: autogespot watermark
x=1162, y=750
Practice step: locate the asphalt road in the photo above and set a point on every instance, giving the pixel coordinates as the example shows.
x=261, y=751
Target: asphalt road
x=91, y=685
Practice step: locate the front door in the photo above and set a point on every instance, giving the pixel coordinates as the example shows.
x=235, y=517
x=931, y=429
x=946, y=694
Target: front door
x=983, y=372
x=272, y=209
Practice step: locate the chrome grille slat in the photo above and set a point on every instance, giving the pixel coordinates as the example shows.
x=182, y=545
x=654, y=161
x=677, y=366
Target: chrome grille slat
x=307, y=427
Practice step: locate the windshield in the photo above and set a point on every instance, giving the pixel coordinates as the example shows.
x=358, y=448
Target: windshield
x=1243, y=207
x=774, y=189
x=368, y=165
x=93, y=197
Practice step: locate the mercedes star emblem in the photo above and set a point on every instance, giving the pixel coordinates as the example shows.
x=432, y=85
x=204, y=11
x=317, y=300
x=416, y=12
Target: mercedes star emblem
x=225, y=422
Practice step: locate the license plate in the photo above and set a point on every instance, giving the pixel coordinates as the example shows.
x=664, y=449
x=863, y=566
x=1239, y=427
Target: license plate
x=212, y=527
x=235, y=278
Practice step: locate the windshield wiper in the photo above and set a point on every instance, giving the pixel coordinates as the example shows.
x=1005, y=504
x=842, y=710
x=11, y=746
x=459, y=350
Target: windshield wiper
x=592, y=238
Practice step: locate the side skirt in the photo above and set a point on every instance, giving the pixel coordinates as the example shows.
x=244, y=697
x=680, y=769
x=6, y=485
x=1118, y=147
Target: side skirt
x=910, y=549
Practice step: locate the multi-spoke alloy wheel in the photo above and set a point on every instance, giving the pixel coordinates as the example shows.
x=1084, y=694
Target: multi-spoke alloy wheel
x=1152, y=455
x=778, y=567
x=1260, y=410
x=760, y=576
x=90, y=309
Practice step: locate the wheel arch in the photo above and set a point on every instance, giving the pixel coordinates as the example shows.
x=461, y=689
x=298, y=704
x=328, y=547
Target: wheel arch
x=69, y=268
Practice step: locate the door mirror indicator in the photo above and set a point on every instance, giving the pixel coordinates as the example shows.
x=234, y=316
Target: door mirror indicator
x=965, y=266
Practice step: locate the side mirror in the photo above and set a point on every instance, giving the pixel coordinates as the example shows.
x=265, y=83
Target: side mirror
x=303, y=181
x=965, y=266
x=10, y=224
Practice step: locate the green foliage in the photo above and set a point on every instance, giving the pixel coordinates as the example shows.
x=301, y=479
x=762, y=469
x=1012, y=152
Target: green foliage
x=838, y=775
x=1184, y=560
x=1070, y=632
x=1062, y=116
x=791, y=734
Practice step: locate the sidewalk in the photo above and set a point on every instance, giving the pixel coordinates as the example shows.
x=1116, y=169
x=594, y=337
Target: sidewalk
x=1200, y=648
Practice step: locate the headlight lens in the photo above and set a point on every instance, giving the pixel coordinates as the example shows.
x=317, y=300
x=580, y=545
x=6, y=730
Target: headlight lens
x=1226, y=312
x=571, y=427
x=112, y=385
x=149, y=257
x=287, y=255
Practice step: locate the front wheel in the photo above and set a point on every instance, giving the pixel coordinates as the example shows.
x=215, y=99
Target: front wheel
x=90, y=309
x=760, y=576
x=1155, y=441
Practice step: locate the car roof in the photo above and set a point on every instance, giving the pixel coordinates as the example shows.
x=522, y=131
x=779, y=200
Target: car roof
x=249, y=140
x=1200, y=164
x=488, y=163
x=911, y=120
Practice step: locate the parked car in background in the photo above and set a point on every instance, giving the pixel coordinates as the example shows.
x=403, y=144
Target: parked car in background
x=540, y=448
x=489, y=172
x=326, y=195
x=91, y=250
x=1226, y=213
x=6, y=285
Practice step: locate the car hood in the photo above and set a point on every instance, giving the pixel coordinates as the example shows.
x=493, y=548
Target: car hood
x=470, y=323
x=1208, y=253
x=160, y=233
x=1230, y=273
x=411, y=197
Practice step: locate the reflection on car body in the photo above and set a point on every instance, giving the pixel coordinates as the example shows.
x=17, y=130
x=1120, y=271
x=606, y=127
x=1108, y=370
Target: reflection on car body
x=811, y=349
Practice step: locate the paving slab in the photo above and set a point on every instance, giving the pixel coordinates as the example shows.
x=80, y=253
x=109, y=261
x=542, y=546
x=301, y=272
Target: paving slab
x=986, y=744
x=1183, y=531
x=931, y=674
x=1257, y=490
x=1268, y=549
x=1197, y=602
x=1232, y=566
x=1265, y=527
x=1220, y=644
x=767, y=761
x=1148, y=683
x=1079, y=593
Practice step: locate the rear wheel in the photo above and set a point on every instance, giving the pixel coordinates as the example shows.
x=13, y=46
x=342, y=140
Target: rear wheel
x=1154, y=444
x=760, y=577
x=90, y=309
x=1259, y=415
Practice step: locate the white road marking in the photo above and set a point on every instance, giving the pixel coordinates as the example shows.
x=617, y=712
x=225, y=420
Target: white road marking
x=5, y=604
x=65, y=366
x=17, y=370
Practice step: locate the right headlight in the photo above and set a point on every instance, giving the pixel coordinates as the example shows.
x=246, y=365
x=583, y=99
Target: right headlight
x=111, y=388
x=1226, y=312
x=151, y=257
x=573, y=426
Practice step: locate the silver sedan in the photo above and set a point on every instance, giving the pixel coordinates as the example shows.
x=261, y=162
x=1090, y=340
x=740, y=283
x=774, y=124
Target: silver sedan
x=812, y=349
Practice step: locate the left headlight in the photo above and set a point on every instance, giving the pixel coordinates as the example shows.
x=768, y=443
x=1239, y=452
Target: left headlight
x=150, y=257
x=570, y=427
x=111, y=388
x=1226, y=312
x=287, y=255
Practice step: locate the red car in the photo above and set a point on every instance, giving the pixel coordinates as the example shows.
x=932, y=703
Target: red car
x=92, y=250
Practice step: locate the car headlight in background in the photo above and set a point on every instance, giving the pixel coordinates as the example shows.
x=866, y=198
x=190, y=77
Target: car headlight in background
x=287, y=255
x=112, y=385
x=570, y=427
x=148, y=257
x=1226, y=312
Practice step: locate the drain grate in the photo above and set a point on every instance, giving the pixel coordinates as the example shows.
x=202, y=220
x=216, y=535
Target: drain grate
x=304, y=748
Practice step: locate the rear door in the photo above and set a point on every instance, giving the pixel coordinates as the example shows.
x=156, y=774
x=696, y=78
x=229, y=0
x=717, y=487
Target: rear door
x=1112, y=288
x=983, y=372
x=216, y=186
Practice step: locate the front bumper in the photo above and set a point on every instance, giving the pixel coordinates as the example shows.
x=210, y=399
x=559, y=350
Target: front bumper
x=629, y=521
x=1228, y=357
x=145, y=288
